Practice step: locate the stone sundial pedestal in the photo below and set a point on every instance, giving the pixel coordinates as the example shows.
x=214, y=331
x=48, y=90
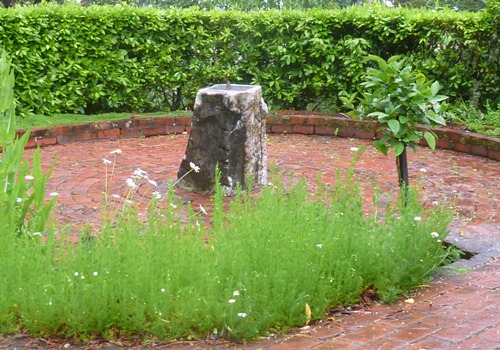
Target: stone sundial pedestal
x=229, y=131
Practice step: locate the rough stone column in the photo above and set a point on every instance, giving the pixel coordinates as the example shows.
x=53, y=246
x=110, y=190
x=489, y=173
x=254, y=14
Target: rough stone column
x=229, y=129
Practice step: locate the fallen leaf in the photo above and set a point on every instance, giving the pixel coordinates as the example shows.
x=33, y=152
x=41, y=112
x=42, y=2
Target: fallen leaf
x=308, y=313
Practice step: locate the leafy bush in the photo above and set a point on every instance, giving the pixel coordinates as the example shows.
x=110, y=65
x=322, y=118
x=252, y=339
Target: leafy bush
x=121, y=58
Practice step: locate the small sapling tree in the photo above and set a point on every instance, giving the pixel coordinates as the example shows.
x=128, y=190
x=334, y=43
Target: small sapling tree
x=404, y=102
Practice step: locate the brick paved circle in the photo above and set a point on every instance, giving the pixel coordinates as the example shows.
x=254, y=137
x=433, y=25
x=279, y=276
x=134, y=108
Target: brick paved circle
x=456, y=312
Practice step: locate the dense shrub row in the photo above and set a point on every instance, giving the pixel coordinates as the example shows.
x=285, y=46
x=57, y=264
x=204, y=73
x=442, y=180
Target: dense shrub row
x=99, y=59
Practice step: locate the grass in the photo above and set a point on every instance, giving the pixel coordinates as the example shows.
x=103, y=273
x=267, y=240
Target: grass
x=261, y=264
x=487, y=122
x=40, y=121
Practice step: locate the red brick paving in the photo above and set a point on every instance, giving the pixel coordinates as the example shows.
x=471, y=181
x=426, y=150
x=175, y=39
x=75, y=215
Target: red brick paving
x=460, y=311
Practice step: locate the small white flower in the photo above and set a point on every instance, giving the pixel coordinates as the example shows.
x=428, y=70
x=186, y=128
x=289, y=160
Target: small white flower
x=19, y=200
x=76, y=273
x=95, y=273
x=140, y=173
x=153, y=182
x=354, y=149
x=157, y=194
x=242, y=314
x=105, y=161
x=435, y=234
x=418, y=218
x=36, y=233
x=435, y=203
x=236, y=293
x=194, y=167
x=319, y=245
x=173, y=205
x=423, y=170
x=83, y=277
x=232, y=301
x=49, y=303
x=115, y=196
x=29, y=178
x=116, y=151
x=203, y=210
x=54, y=194
x=163, y=290
x=131, y=183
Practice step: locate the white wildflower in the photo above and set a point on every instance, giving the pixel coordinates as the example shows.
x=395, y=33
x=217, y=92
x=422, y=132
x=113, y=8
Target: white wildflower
x=157, y=194
x=354, y=149
x=203, y=210
x=95, y=273
x=29, y=178
x=162, y=290
x=140, y=173
x=418, y=218
x=54, y=194
x=106, y=161
x=173, y=205
x=242, y=314
x=232, y=301
x=116, y=151
x=19, y=200
x=435, y=234
x=236, y=293
x=194, y=167
x=36, y=233
x=131, y=183
x=153, y=182
x=423, y=170
x=319, y=245
x=76, y=274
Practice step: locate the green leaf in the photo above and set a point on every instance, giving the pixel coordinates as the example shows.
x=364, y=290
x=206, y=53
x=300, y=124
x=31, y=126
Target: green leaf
x=431, y=139
x=403, y=119
x=399, y=147
x=379, y=115
x=393, y=125
x=381, y=147
x=436, y=118
x=435, y=88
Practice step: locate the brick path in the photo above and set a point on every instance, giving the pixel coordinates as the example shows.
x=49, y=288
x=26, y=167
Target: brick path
x=458, y=311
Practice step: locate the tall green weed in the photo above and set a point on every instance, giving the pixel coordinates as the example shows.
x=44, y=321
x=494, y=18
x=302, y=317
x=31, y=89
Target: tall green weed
x=23, y=206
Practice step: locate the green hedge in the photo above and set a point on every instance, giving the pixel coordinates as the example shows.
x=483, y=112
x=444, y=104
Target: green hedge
x=99, y=59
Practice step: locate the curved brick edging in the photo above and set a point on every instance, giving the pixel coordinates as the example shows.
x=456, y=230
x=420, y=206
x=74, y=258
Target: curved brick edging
x=300, y=123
